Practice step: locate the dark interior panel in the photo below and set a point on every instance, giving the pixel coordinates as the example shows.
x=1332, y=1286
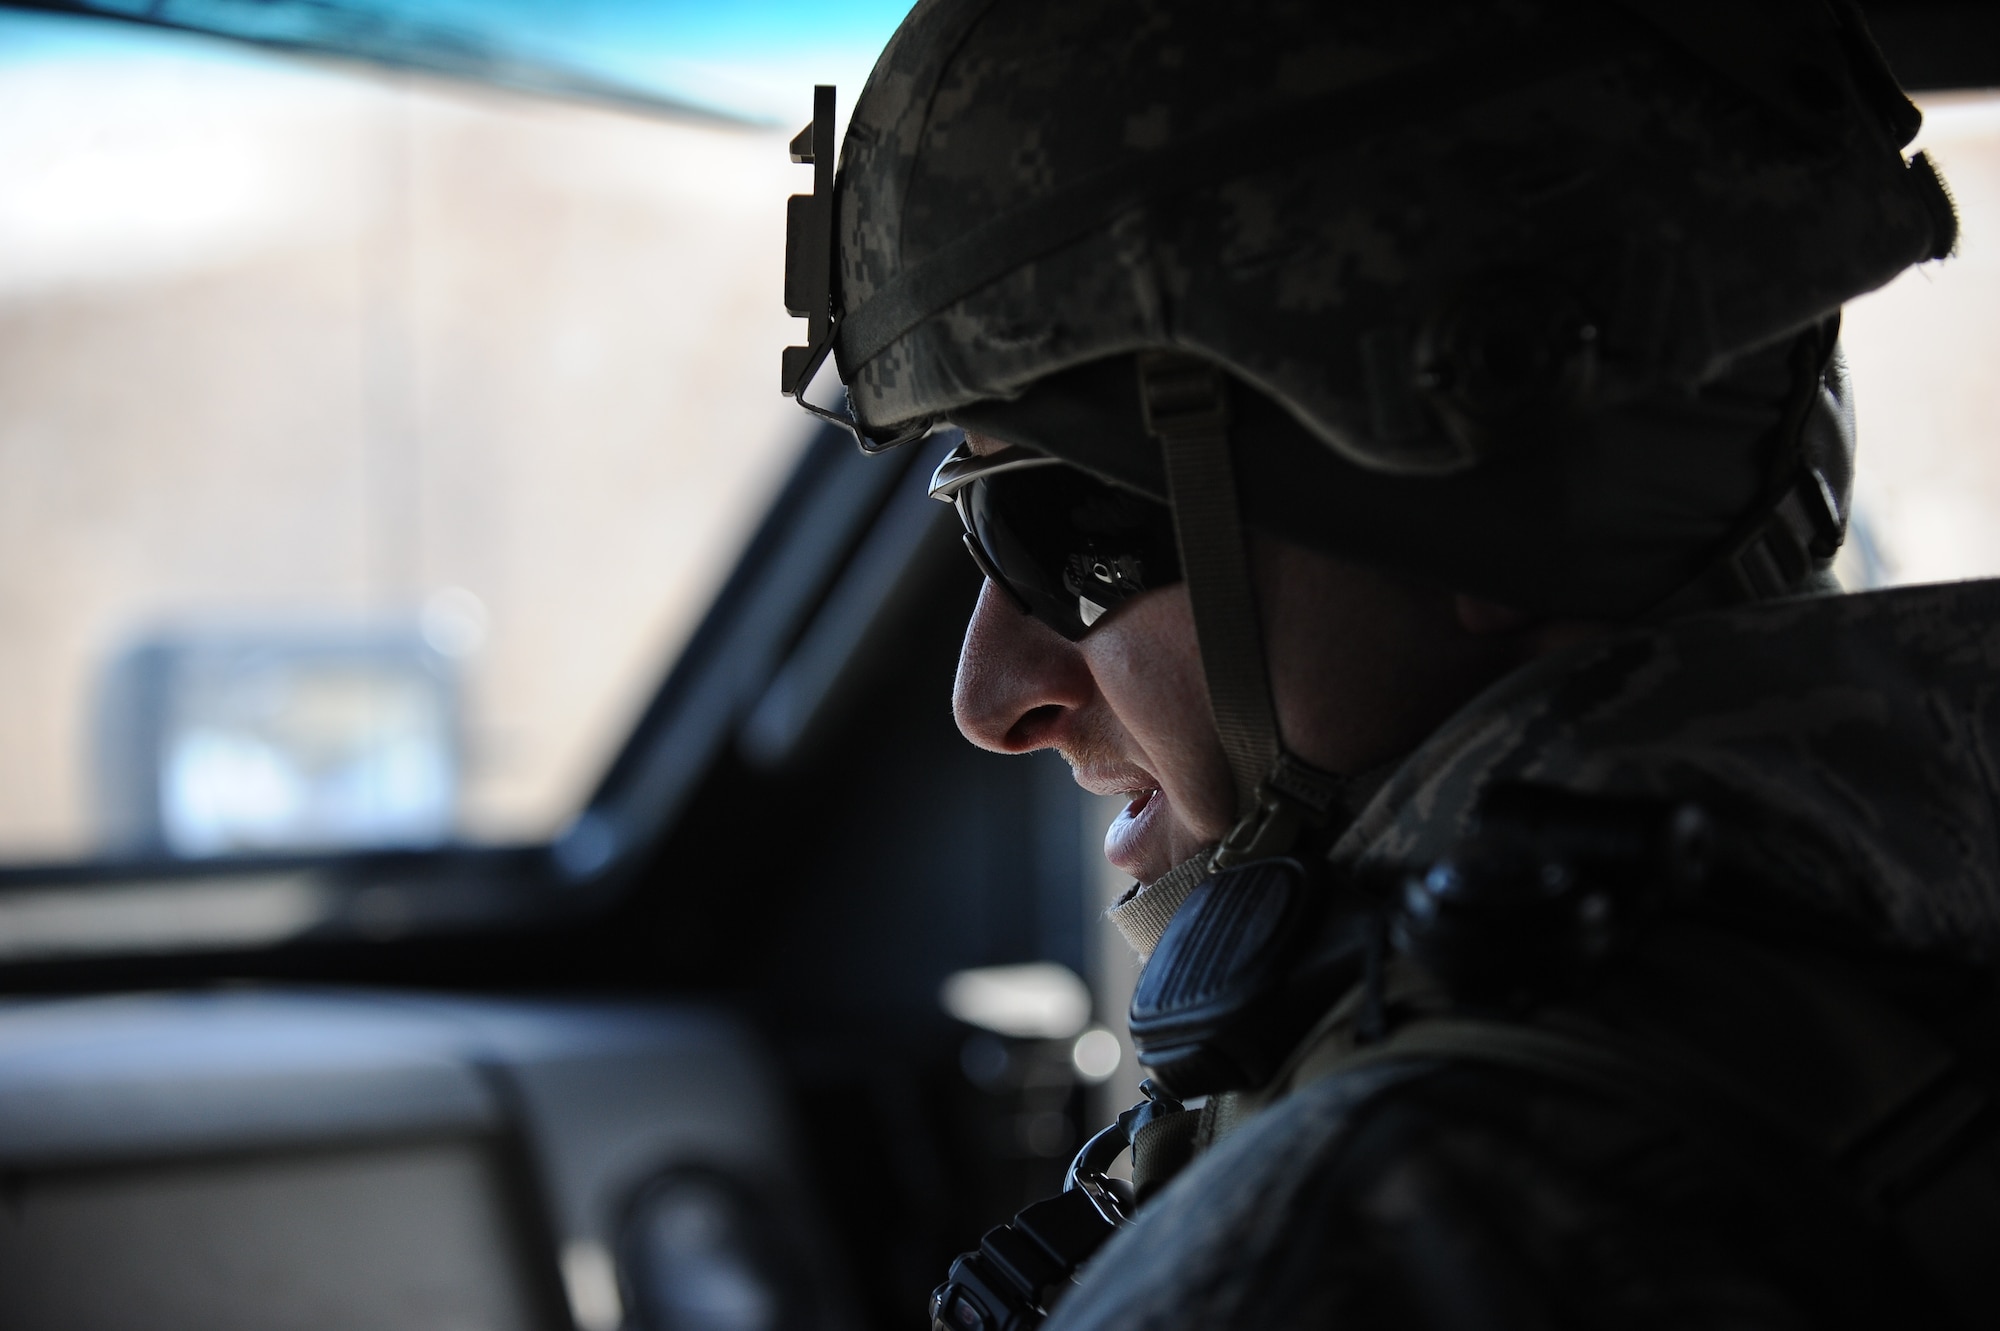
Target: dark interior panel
x=404, y=1238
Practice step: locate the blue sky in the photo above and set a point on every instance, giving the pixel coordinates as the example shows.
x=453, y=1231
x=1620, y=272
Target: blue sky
x=757, y=58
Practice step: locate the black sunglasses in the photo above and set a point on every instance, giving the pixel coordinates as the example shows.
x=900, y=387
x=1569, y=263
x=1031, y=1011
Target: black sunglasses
x=1065, y=546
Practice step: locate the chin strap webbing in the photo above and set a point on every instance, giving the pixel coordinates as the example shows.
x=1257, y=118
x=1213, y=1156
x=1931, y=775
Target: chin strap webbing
x=1186, y=405
x=1787, y=544
x=1143, y=913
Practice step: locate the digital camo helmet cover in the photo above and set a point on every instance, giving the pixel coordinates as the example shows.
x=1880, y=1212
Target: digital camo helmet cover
x=1417, y=227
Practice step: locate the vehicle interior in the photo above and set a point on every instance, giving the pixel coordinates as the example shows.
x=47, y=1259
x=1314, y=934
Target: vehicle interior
x=484, y=842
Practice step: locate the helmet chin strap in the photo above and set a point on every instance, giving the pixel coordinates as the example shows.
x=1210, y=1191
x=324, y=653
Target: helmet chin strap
x=1143, y=913
x=1278, y=795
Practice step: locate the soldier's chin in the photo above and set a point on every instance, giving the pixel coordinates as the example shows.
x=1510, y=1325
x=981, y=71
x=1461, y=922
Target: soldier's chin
x=1136, y=841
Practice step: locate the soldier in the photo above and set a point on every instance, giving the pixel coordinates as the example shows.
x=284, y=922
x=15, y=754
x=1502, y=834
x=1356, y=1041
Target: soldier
x=1407, y=445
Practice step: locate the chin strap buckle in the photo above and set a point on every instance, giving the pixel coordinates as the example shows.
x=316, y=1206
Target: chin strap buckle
x=1293, y=796
x=1269, y=829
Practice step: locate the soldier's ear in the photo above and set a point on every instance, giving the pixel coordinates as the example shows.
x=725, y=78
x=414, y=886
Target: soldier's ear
x=1488, y=618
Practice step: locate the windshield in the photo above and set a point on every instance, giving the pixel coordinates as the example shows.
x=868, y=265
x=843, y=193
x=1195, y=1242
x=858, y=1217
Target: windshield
x=370, y=443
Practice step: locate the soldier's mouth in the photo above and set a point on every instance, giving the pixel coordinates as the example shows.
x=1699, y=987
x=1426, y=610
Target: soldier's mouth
x=1126, y=840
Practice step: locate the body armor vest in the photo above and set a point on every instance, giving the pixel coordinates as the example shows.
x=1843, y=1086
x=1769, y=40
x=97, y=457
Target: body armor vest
x=1581, y=941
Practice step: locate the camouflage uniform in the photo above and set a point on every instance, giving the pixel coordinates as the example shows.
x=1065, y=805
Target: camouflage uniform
x=1532, y=300
x=1850, y=750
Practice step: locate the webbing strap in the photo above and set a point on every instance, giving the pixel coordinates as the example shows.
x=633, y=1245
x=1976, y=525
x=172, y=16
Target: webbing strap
x=1142, y=914
x=1186, y=405
x=1187, y=408
x=1774, y=551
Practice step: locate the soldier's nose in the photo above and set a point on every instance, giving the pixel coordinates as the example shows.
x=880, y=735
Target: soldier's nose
x=1019, y=682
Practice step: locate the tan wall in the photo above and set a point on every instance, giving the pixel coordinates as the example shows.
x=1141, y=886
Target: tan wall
x=1924, y=352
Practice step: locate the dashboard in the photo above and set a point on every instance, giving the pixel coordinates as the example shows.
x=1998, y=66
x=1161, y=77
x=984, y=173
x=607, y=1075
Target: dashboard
x=301, y=1158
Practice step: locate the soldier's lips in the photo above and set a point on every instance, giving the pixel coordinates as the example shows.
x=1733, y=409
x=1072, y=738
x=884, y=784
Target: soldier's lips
x=1142, y=819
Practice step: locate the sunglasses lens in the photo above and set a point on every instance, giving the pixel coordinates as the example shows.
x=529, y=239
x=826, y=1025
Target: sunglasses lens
x=1068, y=545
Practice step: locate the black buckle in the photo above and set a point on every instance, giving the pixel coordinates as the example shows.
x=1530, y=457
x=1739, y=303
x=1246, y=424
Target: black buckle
x=1012, y=1280
x=1293, y=795
x=1267, y=830
x=1090, y=1175
x=1181, y=394
x=1021, y=1268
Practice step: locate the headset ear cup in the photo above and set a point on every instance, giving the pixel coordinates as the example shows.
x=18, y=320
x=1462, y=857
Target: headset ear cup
x=1503, y=361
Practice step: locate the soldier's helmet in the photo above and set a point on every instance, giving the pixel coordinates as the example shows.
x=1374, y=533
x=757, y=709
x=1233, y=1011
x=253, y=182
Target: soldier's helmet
x=1531, y=298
